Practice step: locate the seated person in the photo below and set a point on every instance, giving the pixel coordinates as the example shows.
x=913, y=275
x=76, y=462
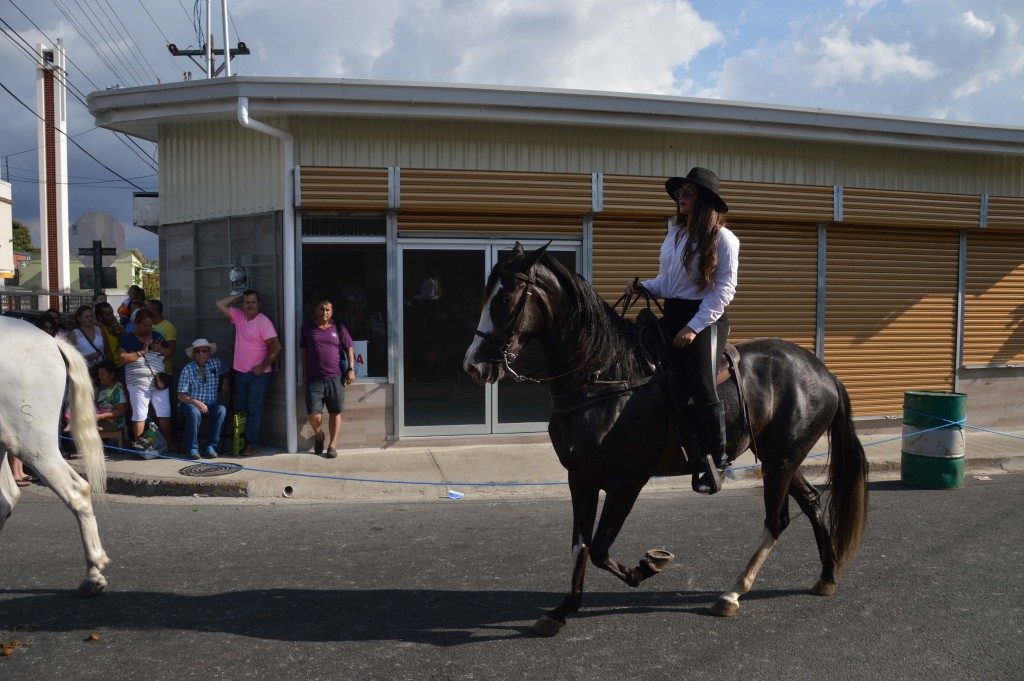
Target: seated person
x=197, y=394
x=111, y=403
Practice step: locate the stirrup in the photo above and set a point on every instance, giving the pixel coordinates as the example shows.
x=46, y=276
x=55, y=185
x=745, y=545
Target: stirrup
x=710, y=481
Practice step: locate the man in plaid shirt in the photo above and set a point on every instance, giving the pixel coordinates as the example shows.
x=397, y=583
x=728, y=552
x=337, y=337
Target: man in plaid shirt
x=197, y=394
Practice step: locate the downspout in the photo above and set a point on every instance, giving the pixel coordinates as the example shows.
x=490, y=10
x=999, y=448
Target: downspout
x=288, y=256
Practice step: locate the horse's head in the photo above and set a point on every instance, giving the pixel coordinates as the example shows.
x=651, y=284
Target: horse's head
x=509, y=318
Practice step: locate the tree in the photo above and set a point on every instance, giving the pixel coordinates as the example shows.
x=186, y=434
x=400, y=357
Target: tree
x=151, y=279
x=22, y=237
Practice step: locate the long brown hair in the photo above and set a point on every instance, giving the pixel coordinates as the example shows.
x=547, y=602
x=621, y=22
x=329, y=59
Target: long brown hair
x=703, y=226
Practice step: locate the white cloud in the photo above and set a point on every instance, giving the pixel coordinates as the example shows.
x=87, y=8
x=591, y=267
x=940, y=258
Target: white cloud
x=982, y=26
x=957, y=59
x=842, y=59
x=583, y=44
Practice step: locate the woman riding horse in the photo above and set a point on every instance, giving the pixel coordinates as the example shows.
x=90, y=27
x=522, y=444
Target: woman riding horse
x=697, y=278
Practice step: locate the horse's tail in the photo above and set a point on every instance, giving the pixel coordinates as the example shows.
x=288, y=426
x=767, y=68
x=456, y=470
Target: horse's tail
x=847, y=477
x=83, y=417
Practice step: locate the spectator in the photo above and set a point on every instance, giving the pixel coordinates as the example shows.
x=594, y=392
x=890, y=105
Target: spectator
x=18, y=471
x=197, y=394
x=111, y=403
x=323, y=340
x=124, y=310
x=112, y=332
x=133, y=307
x=87, y=337
x=164, y=327
x=58, y=322
x=256, y=348
x=44, y=322
x=142, y=353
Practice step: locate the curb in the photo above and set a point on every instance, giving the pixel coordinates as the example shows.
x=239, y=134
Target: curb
x=143, y=486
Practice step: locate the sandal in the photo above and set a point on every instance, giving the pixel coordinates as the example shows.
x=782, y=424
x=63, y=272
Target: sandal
x=22, y=483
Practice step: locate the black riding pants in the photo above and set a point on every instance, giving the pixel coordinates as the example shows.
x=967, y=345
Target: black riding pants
x=695, y=365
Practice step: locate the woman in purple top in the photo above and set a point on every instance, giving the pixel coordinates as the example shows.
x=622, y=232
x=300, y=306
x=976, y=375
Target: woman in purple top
x=322, y=341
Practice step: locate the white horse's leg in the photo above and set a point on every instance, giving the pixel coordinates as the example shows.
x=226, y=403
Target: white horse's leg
x=76, y=494
x=729, y=602
x=9, y=491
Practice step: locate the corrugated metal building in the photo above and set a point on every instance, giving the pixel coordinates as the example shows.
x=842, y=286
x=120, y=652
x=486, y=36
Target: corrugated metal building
x=891, y=247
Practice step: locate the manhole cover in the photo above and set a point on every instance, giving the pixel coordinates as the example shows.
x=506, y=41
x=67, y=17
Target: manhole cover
x=208, y=470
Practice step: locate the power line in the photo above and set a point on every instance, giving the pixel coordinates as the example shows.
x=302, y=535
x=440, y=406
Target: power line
x=79, y=146
x=43, y=33
x=77, y=94
x=138, y=50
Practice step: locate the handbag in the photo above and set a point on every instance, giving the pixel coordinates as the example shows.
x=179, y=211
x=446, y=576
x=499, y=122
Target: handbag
x=160, y=380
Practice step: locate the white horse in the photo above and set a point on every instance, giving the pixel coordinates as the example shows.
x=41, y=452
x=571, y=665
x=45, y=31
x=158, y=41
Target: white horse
x=35, y=368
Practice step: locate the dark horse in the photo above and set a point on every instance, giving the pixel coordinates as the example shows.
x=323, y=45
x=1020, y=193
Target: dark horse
x=613, y=428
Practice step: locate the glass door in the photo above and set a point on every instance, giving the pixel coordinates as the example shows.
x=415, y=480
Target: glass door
x=441, y=285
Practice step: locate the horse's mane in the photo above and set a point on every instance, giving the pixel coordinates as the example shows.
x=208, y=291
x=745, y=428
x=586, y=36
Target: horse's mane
x=600, y=338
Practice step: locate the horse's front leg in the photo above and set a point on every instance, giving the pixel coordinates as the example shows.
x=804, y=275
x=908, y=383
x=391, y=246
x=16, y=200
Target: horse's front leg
x=618, y=502
x=584, y=512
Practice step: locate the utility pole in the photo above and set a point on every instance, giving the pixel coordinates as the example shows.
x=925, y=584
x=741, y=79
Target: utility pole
x=208, y=53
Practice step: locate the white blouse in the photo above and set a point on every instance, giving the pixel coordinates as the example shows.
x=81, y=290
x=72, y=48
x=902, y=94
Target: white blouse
x=675, y=281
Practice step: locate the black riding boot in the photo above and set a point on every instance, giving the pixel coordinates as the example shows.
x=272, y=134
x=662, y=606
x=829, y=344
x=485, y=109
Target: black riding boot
x=709, y=423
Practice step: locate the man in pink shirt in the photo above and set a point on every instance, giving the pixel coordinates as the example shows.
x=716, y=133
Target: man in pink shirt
x=256, y=348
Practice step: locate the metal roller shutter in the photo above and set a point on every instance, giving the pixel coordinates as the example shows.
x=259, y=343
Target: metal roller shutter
x=490, y=226
x=890, y=314
x=776, y=294
x=343, y=189
x=626, y=196
x=479, y=192
x=778, y=203
x=993, y=316
x=910, y=209
x=1006, y=213
x=624, y=249
x=777, y=288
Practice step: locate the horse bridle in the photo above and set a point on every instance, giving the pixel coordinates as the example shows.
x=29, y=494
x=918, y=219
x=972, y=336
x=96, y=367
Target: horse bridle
x=506, y=357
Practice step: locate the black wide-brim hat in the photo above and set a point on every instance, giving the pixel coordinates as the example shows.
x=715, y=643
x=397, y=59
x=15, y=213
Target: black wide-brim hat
x=703, y=178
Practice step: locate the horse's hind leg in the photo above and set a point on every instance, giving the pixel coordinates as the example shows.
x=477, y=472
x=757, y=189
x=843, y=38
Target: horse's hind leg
x=584, y=512
x=808, y=498
x=76, y=494
x=776, y=506
x=9, y=492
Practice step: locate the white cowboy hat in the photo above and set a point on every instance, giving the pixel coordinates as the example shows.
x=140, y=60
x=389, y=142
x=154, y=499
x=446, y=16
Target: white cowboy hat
x=201, y=343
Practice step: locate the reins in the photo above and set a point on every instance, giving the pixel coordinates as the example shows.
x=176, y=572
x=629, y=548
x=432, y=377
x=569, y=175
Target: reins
x=511, y=330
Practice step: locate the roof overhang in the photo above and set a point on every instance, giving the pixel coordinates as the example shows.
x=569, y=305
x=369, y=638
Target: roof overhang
x=140, y=111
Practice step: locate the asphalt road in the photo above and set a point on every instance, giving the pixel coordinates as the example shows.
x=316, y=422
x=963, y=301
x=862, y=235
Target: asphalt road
x=223, y=589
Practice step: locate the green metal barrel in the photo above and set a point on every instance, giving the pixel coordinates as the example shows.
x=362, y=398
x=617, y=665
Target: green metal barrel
x=933, y=439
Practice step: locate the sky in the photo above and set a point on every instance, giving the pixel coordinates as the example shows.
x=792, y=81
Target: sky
x=957, y=60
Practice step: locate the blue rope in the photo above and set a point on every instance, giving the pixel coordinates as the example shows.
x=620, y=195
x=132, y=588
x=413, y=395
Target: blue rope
x=945, y=424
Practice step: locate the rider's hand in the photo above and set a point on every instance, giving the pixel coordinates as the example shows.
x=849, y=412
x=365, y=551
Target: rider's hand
x=684, y=337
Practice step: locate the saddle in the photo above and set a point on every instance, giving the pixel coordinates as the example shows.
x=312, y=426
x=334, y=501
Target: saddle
x=655, y=346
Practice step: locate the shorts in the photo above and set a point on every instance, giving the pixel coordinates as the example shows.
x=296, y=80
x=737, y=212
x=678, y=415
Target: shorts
x=329, y=391
x=140, y=398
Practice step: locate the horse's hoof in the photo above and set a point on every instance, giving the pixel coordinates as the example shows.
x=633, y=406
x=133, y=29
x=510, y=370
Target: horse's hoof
x=724, y=608
x=92, y=587
x=657, y=560
x=823, y=588
x=547, y=626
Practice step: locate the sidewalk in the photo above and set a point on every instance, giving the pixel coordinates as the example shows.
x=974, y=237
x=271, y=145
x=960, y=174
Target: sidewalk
x=411, y=470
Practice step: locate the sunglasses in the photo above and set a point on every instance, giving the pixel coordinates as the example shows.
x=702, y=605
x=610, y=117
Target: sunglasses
x=687, y=193
x=201, y=351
